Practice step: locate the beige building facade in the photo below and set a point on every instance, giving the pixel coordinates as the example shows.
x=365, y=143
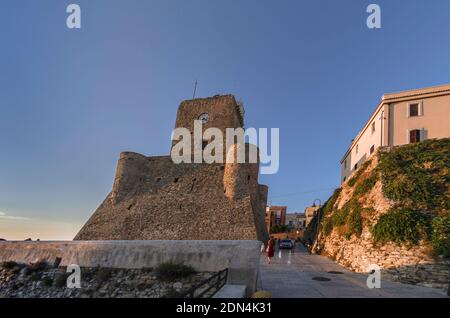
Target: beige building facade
x=275, y=216
x=295, y=221
x=400, y=118
x=310, y=212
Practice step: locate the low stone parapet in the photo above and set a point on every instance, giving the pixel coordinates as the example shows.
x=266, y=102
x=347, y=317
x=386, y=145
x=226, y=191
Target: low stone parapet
x=240, y=257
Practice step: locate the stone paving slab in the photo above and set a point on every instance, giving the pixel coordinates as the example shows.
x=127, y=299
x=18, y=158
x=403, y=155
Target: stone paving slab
x=291, y=277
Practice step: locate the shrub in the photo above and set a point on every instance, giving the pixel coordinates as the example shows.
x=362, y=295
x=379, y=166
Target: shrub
x=8, y=264
x=328, y=206
x=47, y=281
x=324, y=210
x=328, y=226
x=355, y=224
x=352, y=181
x=358, y=173
x=170, y=271
x=61, y=279
x=103, y=274
x=38, y=266
x=402, y=226
x=35, y=277
x=417, y=175
x=366, y=184
x=440, y=237
x=348, y=219
x=278, y=229
x=339, y=218
x=416, y=178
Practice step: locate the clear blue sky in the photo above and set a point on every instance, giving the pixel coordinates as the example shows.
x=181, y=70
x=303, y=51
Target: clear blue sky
x=72, y=100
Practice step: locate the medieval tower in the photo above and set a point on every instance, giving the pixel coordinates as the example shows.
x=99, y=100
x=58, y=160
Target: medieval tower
x=154, y=198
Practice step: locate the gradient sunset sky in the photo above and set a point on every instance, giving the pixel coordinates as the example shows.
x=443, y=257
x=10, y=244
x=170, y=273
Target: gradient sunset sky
x=72, y=100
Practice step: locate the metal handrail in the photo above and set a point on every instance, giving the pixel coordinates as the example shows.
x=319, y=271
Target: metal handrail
x=221, y=281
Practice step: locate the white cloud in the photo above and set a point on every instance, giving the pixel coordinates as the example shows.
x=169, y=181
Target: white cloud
x=4, y=216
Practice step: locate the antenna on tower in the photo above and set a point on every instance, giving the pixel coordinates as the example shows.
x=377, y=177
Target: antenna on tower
x=195, y=89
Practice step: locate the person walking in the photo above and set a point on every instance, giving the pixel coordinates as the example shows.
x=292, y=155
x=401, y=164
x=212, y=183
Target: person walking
x=270, y=249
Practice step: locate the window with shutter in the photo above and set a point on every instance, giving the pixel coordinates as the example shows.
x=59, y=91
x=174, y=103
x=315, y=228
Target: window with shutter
x=413, y=110
x=414, y=136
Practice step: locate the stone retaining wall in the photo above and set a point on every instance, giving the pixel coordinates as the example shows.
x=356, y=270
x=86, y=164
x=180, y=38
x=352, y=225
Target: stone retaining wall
x=241, y=257
x=412, y=264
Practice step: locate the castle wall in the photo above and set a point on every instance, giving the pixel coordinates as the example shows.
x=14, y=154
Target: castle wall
x=261, y=220
x=222, y=111
x=153, y=198
x=175, y=201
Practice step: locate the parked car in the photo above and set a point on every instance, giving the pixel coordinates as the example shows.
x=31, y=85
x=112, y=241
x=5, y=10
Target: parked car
x=286, y=244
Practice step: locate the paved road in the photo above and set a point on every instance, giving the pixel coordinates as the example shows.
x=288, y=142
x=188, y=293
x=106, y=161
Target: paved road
x=291, y=276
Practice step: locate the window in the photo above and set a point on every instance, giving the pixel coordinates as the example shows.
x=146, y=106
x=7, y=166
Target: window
x=415, y=109
x=414, y=136
x=356, y=166
x=373, y=127
x=345, y=164
x=372, y=149
x=356, y=149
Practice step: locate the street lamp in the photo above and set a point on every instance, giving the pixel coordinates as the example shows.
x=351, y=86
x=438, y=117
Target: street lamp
x=318, y=218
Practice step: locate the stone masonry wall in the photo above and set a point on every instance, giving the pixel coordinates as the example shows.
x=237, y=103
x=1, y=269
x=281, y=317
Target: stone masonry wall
x=153, y=198
x=409, y=264
x=240, y=257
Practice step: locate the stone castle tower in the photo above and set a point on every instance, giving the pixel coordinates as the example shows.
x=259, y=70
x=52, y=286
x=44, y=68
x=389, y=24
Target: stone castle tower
x=155, y=199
